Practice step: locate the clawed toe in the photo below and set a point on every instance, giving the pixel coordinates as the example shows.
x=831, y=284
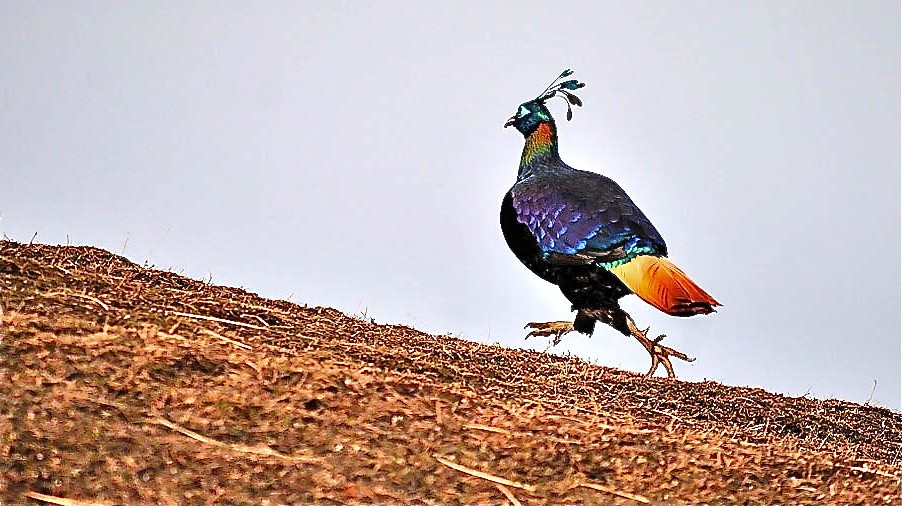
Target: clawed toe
x=556, y=329
x=660, y=354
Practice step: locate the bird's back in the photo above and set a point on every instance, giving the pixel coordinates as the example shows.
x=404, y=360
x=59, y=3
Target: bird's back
x=575, y=212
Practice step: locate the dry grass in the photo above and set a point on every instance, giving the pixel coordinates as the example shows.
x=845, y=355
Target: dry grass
x=126, y=385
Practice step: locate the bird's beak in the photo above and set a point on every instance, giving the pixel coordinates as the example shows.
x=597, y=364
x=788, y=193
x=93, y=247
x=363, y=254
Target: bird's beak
x=510, y=121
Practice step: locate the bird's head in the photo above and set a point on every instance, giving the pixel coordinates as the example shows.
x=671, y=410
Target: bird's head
x=533, y=113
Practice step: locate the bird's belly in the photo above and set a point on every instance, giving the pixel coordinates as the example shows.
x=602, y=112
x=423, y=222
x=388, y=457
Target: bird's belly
x=591, y=287
x=585, y=286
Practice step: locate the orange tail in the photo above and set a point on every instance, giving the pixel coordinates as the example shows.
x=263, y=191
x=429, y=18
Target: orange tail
x=662, y=284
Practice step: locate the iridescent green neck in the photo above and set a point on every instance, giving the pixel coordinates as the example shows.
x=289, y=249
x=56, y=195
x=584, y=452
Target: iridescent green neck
x=540, y=144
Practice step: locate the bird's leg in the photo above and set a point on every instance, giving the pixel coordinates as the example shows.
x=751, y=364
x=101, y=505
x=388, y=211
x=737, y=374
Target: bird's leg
x=556, y=329
x=659, y=354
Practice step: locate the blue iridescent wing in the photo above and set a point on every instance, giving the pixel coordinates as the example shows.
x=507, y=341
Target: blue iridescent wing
x=586, y=215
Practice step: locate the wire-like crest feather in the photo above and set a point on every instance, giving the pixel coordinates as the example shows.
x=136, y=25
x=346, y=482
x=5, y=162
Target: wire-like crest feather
x=564, y=90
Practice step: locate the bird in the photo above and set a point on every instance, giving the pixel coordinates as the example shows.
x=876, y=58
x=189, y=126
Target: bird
x=580, y=231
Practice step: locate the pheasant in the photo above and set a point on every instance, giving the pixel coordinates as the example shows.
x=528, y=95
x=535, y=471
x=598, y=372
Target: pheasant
x=582, y=232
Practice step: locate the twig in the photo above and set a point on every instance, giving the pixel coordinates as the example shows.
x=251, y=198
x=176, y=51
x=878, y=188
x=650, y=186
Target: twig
x=267, y=309
x=256, y=450
x=609, y=490
x=563, y=441
x=485, y=476
x=62, y=501
x=487, y=428
x=226, y=339
x=79, y=295
x=823, y=441
x=261, y=320
x=751, y=400
x=510, y=495
x=215, y=319
x=671, y=416
x=871, y=396
x=873, y=461
x=577, y=420
x=863, y=469
x=166, y=335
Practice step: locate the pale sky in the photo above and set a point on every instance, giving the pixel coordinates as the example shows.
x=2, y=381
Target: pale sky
x=352, y=155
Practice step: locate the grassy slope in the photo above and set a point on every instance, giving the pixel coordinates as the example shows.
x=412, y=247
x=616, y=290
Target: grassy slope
x=108, y=394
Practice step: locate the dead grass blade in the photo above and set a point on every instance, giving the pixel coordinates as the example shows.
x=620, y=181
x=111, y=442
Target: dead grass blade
x=255, y=450
x=612, y=491
x=485, y=476
x=865, y=469
x=226, y=339
x=215, y=319
x=671, y=415
x=510, y=495
x=79, y=295
x=487, y=428
x=62, y=501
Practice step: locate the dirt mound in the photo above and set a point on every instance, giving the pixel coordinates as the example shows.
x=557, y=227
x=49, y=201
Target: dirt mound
x=126, y=385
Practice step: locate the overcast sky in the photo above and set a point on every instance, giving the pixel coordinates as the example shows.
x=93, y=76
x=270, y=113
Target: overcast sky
x=352, y=155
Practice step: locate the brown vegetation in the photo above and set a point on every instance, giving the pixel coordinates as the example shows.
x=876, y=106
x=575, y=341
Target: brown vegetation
x=127, y=385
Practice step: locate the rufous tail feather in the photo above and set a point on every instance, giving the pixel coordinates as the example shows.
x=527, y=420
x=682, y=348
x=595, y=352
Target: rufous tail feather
x=662, y=284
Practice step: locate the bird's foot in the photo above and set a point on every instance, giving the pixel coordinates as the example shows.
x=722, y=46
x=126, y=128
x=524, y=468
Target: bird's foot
x=660, y=355
x=556, y=329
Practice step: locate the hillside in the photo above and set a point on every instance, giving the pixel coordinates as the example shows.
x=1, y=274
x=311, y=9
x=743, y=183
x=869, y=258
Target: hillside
x=126, y=385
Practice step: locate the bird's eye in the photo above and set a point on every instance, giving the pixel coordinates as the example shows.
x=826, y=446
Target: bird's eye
x=523, y=111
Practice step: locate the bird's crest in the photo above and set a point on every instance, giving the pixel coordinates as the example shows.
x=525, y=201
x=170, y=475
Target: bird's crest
x=564, y=90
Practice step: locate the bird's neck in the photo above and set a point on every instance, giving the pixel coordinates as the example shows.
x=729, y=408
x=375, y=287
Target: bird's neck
x=539, y=150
